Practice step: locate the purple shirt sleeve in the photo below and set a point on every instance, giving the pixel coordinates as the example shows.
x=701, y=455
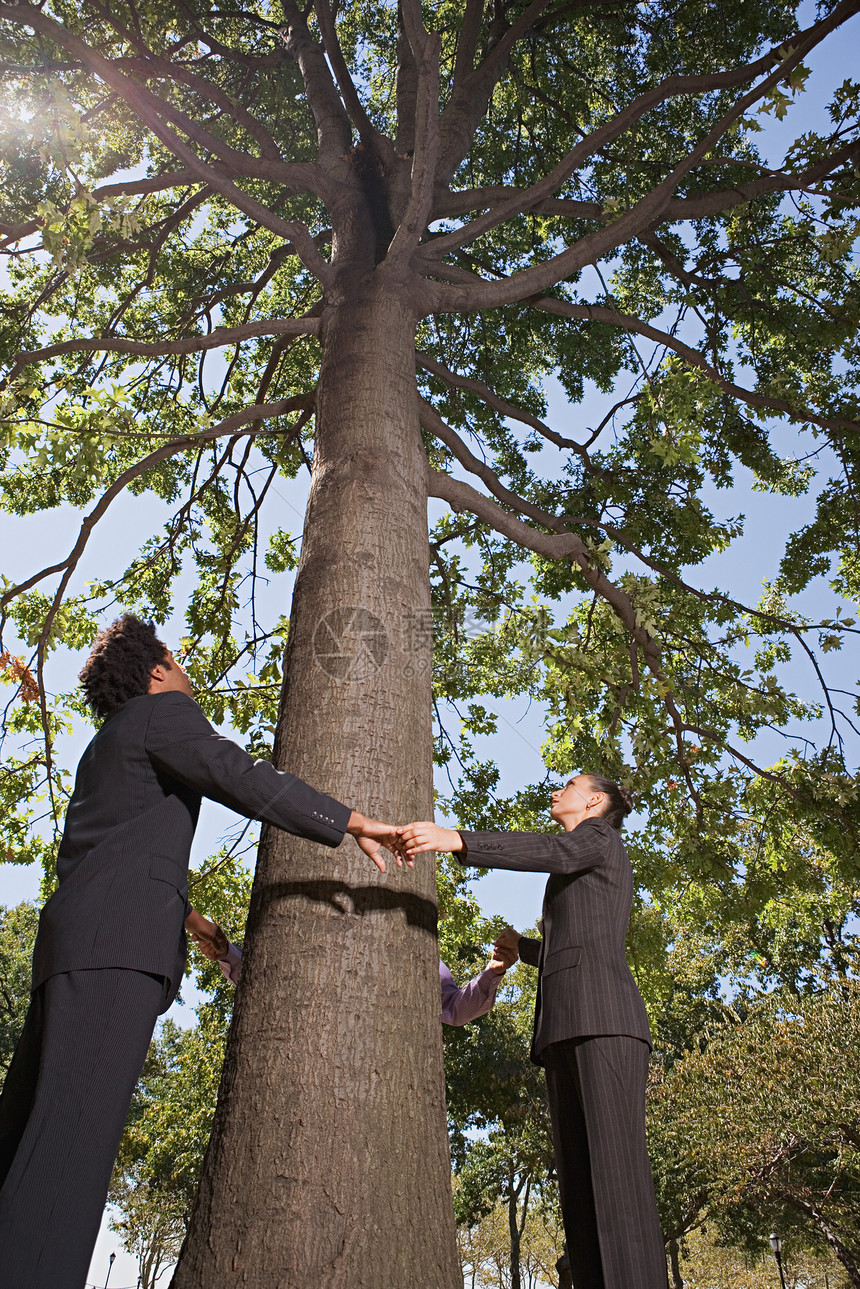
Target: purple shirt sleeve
x=230, y=964
x=473, y=1000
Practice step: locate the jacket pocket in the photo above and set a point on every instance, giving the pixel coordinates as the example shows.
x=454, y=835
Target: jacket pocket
x=166, y=869
x=562, y=959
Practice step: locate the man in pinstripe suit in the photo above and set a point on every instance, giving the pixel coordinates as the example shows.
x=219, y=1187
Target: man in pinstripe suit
x=590, y=1029
x=110, y=952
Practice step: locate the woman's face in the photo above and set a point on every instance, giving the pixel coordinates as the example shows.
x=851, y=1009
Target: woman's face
x=575, y=802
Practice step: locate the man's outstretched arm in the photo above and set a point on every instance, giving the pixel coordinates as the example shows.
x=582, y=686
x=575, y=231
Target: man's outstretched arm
x=181, y=743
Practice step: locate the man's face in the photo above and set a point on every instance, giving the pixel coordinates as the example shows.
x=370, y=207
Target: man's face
x=170, y=677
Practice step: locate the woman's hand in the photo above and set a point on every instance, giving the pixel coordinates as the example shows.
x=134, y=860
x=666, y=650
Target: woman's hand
x=418, y=837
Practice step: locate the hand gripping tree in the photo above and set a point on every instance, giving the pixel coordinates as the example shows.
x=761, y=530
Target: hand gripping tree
x=393, y=222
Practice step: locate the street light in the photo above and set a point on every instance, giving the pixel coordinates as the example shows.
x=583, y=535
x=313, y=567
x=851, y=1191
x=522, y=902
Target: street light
x=111, y=1261
x=776, y=1245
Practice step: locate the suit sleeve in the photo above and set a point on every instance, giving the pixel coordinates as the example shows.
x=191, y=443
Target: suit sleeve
x=529, y=951
x=583, y=848
x=181, y=743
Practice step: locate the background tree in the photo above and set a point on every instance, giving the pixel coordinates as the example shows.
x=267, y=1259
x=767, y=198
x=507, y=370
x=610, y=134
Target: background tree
x=17, y=935
x=337, y=200
x=757, y=1130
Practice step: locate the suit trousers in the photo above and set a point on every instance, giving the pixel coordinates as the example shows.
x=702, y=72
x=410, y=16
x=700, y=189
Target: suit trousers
x=62, y=1111
x=596, y=1090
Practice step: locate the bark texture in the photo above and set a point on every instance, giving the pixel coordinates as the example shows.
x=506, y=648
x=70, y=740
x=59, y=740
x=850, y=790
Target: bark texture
x=331, y=1119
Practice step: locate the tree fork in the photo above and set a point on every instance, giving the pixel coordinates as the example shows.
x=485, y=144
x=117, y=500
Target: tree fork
x=341, y=1173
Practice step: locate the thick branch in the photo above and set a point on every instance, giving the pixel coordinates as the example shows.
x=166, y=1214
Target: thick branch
x=524, y=199
x=417, y=213
x=307, y=326
x=601, y=313
x=152, y=64
x=645, y=213
x=406, y=89
x=559, y=545
x=162, y=69
x=468, y=103
x=334, y=135
x=450, y=205
x=354, y=106
x=432, y=421
x=467, y=41
x=500, y=405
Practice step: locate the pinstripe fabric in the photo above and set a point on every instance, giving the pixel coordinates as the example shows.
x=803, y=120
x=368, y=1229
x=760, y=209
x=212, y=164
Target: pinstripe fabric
x=123, y=860
x=118, y=912
x=584, y=985
x=596, y=1089
x=63, y=1110
x=591, y=1032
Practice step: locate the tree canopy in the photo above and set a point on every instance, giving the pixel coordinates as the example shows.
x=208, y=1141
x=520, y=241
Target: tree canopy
x=572, y=192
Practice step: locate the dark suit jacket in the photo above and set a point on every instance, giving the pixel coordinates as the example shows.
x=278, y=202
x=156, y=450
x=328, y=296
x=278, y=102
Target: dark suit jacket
x=123, y=861
x=584, y=984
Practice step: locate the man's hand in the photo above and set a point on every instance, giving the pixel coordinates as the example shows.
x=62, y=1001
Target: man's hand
x=418, y=837
x=371, y=836
x=505, y=951
x=208, y=936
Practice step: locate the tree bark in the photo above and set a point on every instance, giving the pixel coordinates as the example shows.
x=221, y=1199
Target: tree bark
x=330, y=1129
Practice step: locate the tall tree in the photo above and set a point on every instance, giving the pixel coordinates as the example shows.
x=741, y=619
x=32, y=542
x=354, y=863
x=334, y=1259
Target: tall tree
x=339, y=200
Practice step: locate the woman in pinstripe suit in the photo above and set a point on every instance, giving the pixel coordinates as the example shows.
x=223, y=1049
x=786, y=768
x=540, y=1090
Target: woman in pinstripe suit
x=590, y=1030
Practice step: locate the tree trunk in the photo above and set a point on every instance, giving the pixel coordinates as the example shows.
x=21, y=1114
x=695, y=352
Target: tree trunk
x=515, y=1232
x=329, y=1161
x=675, y=1264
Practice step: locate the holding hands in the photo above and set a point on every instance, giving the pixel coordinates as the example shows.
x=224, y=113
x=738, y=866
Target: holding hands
x=506, y=950
x=371, y=836
x=404, y=843
x=418, y=837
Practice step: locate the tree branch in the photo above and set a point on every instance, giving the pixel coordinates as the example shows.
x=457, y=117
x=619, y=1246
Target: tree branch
x=523, y=199
x=307, y=326
x=432, y=421
x=561, y=544
x=467, y=41
x=500, y=405
x=358, y=115
x=469, y=100
x=646, y=212
x=601, y=313
x=150, y=109
x=231, y=425
x=334, y=135
x=417, y=213
x=450, y=205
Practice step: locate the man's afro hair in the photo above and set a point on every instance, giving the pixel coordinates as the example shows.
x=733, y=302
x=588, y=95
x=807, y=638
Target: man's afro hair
x=120, y=663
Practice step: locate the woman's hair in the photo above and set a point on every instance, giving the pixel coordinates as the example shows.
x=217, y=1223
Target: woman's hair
x=620, y=802
x=120, y=663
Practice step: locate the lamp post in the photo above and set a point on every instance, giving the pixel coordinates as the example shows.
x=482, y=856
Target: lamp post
x=776, y=1245
x=111, y=1261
